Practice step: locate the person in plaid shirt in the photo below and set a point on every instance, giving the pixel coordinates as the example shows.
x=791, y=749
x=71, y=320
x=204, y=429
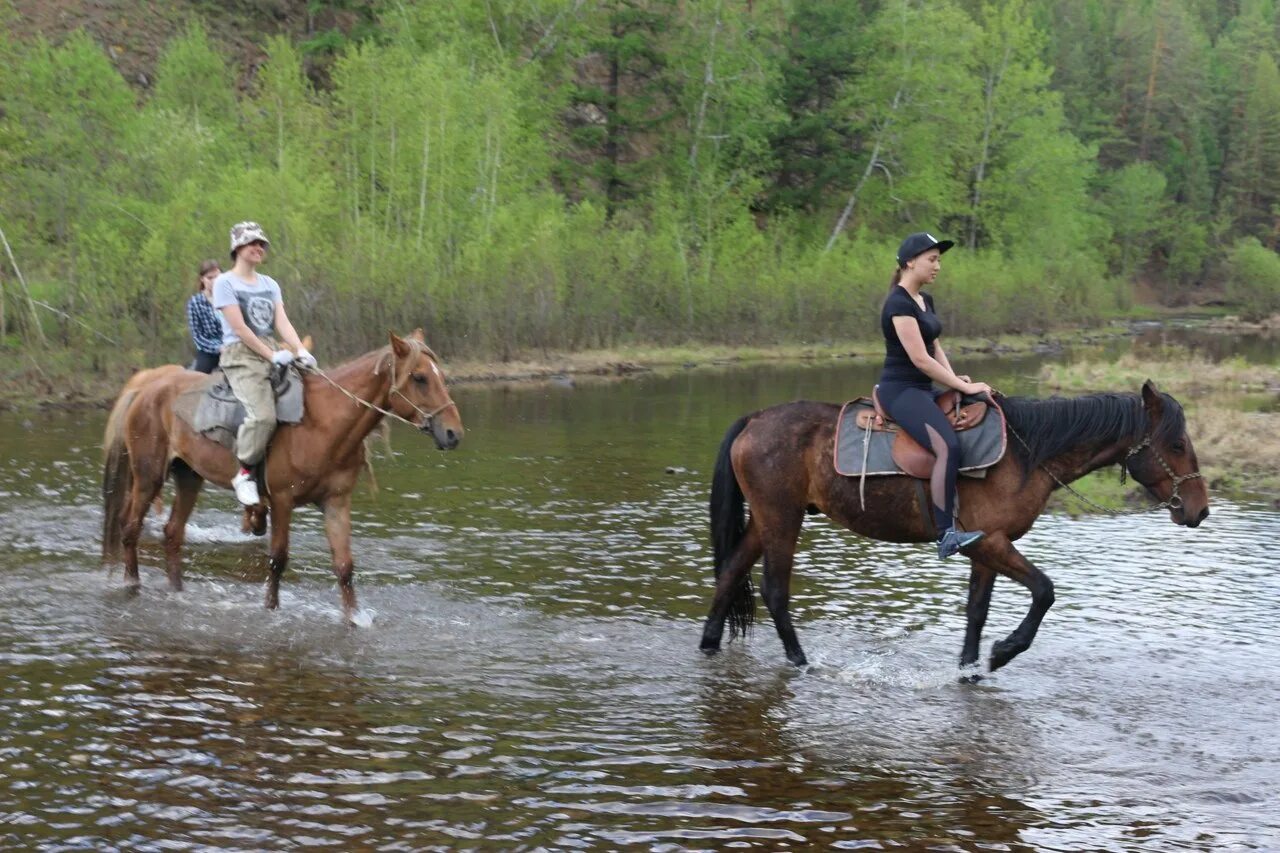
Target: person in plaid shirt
x=206, y=329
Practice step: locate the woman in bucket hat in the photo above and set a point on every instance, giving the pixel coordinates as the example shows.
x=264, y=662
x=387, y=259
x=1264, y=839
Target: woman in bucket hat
x=251, y=311
x=914, y=360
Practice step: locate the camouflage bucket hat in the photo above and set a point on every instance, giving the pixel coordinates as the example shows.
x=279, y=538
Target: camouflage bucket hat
x=244, y=233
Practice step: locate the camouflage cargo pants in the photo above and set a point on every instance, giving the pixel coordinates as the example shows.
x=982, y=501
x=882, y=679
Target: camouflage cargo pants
x=250, y=378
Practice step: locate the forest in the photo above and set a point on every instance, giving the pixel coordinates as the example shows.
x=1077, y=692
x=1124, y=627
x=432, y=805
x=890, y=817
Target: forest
x=575, y=174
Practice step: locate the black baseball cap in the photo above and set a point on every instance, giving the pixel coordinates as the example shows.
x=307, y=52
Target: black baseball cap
x=919, y=243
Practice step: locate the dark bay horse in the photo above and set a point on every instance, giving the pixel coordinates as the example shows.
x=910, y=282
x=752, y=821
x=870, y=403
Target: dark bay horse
x=316, y=461
x=779, y=460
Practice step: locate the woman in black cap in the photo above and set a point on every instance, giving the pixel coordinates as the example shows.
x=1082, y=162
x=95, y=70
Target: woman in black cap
x=913, y=361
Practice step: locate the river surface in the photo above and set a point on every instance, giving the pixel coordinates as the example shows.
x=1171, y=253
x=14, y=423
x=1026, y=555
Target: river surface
x=531, y=678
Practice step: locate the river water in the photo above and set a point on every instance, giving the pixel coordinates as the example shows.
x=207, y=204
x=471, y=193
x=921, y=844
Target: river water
x=531, y=678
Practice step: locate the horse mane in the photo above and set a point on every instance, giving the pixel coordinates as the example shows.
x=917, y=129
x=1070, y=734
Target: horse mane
x=373, y=359
x=1058, y=424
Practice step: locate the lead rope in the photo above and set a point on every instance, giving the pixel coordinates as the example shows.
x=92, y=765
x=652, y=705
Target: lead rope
x=1174, y=501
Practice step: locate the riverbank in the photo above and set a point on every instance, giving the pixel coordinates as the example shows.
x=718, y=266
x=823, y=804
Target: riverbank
x=68, y=380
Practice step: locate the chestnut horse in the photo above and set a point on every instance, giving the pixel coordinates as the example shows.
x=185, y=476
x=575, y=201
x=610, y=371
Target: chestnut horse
x=780, y=461
x=316, y=461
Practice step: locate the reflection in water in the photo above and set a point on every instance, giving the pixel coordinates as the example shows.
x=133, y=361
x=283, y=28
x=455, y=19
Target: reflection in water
x=531, y=678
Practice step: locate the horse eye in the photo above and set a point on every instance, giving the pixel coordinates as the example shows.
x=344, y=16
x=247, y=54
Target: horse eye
x=419, y=378
x=1178, y=447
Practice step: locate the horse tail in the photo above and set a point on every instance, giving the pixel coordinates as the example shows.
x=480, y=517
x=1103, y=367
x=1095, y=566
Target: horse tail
x=729, y=527
x=117, y=475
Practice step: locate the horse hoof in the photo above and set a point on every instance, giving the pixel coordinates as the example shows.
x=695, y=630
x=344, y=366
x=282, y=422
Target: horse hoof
x=360, y=619
x=971, y=678
x=1001, y=654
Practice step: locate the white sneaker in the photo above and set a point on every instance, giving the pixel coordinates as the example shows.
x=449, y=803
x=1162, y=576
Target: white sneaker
x=246, y=488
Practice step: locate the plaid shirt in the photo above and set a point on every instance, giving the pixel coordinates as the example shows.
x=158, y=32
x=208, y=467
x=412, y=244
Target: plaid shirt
x=206, y=329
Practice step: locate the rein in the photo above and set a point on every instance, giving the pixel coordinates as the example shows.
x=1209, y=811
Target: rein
x=1174, y=501
x=427, y=417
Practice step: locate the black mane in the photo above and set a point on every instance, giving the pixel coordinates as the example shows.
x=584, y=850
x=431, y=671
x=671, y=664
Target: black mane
x=1059, y=424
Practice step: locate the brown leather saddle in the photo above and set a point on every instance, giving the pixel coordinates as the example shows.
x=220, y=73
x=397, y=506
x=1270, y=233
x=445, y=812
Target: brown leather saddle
x=908, y=454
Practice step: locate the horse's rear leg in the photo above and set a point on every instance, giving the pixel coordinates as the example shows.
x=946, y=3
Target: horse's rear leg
x=142, y=492
x=731, y=589
x=998, y=552
x=337, y=527
x=187, y=485
x=775, y=582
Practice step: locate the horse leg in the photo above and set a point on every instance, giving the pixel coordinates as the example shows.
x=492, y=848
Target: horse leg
x=281, y=515
x=775, y=582
x=187, y=485
x=731, y=584
x=981, y=581
x=998, y=552
x=144, y=489
x=337, y=527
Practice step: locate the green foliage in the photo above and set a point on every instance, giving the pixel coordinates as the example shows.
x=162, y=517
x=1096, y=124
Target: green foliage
x=554, y=174
x=194, y=81
x=1254, y=282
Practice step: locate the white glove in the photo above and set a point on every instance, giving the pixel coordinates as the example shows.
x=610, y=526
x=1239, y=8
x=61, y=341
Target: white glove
x=305, y=358
x=281, y=357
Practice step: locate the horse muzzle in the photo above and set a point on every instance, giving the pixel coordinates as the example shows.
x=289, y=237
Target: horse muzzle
x=446, y=438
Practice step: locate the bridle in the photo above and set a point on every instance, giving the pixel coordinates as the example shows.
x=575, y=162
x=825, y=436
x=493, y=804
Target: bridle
x=428, y=418
x=1175, y=499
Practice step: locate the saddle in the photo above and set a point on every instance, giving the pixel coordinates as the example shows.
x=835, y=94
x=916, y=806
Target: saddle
x=213, y=410
x=908, y=454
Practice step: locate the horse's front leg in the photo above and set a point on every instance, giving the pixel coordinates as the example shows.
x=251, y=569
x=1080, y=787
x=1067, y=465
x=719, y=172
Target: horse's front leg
x=998, y=552
x=981, y=581
x=337, y=527
x=281, y=514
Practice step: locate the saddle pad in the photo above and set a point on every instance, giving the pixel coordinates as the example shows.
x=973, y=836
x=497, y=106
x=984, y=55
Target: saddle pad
x=213, y=410
x=980, y=447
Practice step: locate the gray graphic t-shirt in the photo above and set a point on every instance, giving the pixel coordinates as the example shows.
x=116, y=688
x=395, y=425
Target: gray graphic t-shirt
x=257, y=303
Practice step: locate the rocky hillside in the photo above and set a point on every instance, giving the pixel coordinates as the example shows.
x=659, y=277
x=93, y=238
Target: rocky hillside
x=134, y=32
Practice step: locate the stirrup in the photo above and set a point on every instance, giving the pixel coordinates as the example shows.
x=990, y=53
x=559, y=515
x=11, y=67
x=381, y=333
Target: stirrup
x=952, y=541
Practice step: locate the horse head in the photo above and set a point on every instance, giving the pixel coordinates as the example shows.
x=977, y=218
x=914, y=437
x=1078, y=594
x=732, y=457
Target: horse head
x=1164, y=461
x=418, y=392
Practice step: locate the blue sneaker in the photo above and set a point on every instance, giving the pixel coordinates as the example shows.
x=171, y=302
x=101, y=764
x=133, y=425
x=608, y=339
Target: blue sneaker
x=952, y=541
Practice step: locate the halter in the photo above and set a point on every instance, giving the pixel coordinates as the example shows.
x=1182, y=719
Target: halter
x=1175, y=500
x=428, y=418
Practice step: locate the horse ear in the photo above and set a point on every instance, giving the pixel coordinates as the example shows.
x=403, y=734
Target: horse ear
x=1151, y=399
x=399, y=345
x=418, y=335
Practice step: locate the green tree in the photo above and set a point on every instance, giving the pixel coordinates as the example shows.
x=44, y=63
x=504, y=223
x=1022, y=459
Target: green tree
x=815, y=145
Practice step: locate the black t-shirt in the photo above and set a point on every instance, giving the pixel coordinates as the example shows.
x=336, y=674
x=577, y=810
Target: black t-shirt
x=897, y=364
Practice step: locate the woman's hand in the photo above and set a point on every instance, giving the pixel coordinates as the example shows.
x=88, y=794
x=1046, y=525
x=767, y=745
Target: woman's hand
x=974, y=389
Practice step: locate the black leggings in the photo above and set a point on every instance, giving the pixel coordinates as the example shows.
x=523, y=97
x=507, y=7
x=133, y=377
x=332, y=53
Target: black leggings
x=916, y=411
x=206, y=362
